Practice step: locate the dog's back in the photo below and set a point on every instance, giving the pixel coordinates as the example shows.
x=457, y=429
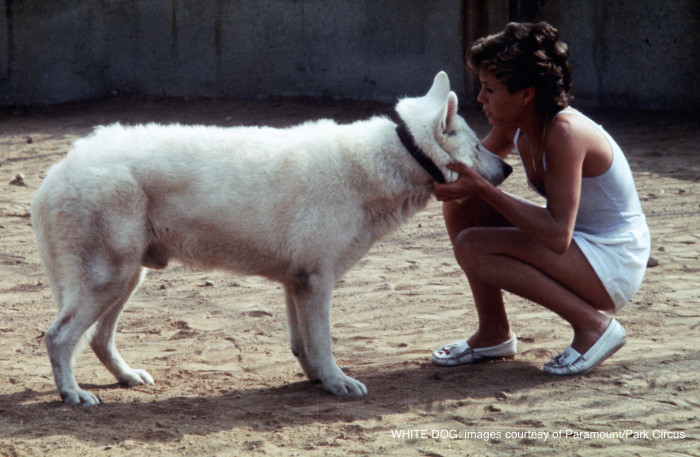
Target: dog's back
x=250, y=199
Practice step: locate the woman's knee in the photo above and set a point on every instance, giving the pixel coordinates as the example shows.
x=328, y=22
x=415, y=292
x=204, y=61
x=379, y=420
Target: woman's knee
x=469, y=248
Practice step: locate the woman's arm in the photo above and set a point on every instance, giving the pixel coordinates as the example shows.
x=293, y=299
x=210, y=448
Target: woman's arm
x=551, y=226
x=500, y=140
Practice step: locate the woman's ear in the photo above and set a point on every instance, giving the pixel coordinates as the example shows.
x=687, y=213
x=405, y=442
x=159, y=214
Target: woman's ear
x=528, y=95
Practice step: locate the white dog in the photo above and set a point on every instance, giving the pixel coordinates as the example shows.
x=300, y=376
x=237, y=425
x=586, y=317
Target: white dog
x=299, y=205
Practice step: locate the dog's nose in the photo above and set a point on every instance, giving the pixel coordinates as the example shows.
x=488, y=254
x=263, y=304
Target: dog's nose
x=507, y=170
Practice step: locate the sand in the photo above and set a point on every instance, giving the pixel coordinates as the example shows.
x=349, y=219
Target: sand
x=228, y=385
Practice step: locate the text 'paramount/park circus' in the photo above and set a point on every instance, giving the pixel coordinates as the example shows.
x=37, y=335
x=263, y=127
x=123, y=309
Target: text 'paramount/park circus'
x=538, y=435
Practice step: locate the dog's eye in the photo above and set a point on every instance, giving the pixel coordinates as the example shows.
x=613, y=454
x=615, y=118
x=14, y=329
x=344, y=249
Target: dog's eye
x=451, y=133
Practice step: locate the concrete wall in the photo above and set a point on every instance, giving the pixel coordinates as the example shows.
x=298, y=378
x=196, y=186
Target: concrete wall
x=81, y=49
x=624, y=53
x=638, y=53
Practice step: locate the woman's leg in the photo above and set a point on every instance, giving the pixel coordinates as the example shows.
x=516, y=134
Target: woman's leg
x=460, y=216
x=506, y=259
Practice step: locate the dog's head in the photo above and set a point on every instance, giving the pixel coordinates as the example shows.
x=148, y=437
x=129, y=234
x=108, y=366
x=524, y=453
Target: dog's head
x=444, y=136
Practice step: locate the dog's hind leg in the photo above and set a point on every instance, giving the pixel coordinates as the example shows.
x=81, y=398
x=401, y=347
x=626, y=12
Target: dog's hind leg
x=90, y=311
x=103, y=344
x=77, y=315
x=312, y=293
x=93, y=287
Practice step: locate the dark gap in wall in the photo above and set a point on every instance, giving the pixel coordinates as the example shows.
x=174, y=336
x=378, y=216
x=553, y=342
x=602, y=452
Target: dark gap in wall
x=10, y=38
x=525, y=10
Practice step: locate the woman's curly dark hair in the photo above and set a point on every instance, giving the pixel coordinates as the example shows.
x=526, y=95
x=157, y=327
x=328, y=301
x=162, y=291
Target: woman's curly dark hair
x=527, y=55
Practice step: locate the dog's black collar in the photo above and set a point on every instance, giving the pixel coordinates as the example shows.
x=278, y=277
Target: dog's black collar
x=410, y=144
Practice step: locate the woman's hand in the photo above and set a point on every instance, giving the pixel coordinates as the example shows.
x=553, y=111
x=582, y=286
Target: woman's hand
x=468, y=184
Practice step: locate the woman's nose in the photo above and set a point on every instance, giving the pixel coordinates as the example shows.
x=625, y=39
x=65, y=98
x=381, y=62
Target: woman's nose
x=480, y=97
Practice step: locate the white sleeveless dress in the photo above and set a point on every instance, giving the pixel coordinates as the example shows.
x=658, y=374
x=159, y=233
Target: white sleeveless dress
x=611, y=229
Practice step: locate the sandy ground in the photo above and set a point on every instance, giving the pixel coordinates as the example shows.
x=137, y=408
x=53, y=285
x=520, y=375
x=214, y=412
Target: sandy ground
x=227, y=384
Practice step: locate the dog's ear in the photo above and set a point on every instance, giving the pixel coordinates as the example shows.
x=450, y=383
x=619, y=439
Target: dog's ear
x=452, y=105
x=440, y=88
x=447, y=113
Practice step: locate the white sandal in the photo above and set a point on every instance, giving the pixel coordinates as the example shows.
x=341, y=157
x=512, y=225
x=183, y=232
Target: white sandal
x=571, y=362
x=459, y=352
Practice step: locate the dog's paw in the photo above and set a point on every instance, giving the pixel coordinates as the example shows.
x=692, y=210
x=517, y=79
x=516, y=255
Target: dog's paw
x=345, y=385
x=135, y=378
x=79, y=397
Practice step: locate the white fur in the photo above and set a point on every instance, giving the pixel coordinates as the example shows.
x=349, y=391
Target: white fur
x=299, y=205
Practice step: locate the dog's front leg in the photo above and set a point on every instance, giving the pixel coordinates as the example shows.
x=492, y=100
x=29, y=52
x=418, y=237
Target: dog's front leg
x=312, y=293
x=295, y=339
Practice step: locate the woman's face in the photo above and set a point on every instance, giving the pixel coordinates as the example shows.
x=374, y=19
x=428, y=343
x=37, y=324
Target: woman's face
x=500, y=106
